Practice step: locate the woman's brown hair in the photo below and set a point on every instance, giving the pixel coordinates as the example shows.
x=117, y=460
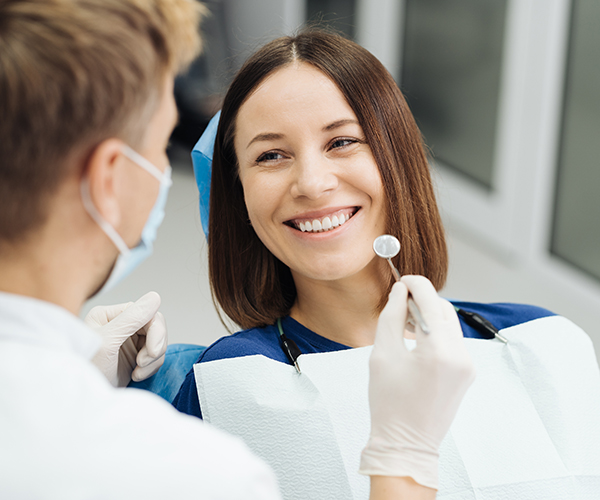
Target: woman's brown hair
x=249, y=283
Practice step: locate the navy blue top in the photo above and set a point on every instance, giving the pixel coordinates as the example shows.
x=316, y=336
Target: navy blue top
x=266, y=341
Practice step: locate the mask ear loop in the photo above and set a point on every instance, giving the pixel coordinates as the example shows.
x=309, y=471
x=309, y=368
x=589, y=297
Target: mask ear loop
x=147, y=165
x=91, y=209
x=138, y=159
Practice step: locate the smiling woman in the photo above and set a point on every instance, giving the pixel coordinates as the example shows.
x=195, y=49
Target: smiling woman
x=316, y=168
x=316, y=155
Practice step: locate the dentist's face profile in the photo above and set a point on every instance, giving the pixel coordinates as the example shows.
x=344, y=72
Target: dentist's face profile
x=311, y=185
x=154, y=149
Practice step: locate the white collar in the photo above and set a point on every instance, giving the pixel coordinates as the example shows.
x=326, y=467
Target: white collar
x=32, y=321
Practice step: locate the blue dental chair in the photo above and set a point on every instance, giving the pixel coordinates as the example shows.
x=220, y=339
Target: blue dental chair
x=166, y=382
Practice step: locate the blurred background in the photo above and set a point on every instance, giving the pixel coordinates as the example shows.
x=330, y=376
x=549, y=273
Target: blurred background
x=506, y=93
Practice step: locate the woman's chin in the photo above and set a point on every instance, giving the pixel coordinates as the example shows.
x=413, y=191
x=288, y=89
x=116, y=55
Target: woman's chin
x=330, y=272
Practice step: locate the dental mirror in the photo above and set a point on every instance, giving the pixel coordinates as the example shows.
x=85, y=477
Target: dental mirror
x=387, y=246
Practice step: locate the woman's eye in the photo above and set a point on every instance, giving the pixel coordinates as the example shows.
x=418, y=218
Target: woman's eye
x=340, y=143
x=269, y=156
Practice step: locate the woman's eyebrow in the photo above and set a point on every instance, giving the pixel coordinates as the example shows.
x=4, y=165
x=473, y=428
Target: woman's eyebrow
x=271, y=136
x=265, y=137
x=340, y=123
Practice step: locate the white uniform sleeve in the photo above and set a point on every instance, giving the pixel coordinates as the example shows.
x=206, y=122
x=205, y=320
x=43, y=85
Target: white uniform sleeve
x=78, y=437
x=190, y=458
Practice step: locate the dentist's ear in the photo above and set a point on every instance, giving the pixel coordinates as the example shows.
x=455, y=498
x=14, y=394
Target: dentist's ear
x=101, y=169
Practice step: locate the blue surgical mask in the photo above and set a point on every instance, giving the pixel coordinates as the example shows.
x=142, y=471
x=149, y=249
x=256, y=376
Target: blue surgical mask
x=130, y=258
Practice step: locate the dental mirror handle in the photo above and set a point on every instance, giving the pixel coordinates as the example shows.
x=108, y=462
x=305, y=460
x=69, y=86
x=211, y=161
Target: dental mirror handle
x=412, y=306
x=394, y=270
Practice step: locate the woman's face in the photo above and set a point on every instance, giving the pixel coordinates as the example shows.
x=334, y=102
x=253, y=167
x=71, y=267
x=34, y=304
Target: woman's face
x=311, y=185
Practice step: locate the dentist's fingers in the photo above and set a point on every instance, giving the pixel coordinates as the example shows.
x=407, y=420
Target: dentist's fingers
x=138, y=314
x=156, y=341
x=101, y=315
x=430, y=304
x=392, y=320
x=425, y=295
x=143, y=372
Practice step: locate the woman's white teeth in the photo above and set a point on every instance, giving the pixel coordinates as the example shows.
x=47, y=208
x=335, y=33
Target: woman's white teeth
x=319, y=226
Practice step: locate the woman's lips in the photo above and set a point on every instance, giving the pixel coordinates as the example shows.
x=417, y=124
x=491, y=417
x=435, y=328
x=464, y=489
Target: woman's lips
x=323, y=223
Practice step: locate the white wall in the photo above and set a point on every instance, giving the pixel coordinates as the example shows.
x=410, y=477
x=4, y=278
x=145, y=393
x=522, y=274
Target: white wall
x=478, y=274
x=253, y=23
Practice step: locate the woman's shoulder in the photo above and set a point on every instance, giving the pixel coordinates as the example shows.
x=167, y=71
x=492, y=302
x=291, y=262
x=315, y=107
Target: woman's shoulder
x=253, y=341
x=266, y=341
x=500, y=314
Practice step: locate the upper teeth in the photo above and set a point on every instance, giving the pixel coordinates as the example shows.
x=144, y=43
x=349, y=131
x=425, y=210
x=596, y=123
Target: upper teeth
x=324, y=224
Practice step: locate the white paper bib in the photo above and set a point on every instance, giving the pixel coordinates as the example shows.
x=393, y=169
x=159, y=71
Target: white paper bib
x=528, y=428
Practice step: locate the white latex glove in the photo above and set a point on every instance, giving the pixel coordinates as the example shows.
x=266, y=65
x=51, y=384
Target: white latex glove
x=414, y=395
x=134, y=339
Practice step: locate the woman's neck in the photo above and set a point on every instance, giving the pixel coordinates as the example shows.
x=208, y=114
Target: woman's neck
x=344, y=311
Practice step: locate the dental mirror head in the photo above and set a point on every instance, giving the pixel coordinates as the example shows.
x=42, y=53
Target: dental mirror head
x=386, y=246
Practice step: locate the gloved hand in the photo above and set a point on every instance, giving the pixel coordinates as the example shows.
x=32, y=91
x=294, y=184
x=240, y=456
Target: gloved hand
x=134, y=339
x=414, y=395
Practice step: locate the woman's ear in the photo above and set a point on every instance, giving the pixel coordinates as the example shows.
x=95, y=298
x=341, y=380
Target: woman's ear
x=102, y=174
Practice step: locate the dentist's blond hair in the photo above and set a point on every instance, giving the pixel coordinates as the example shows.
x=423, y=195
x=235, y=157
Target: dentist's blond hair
x=72, y=74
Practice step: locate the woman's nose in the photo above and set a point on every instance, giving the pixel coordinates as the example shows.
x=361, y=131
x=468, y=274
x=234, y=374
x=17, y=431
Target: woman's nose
x=313, y=176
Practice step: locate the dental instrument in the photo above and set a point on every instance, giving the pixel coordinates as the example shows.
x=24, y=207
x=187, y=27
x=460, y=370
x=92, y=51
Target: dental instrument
x=387, y=246
x=480, y=324
x=291, y=349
